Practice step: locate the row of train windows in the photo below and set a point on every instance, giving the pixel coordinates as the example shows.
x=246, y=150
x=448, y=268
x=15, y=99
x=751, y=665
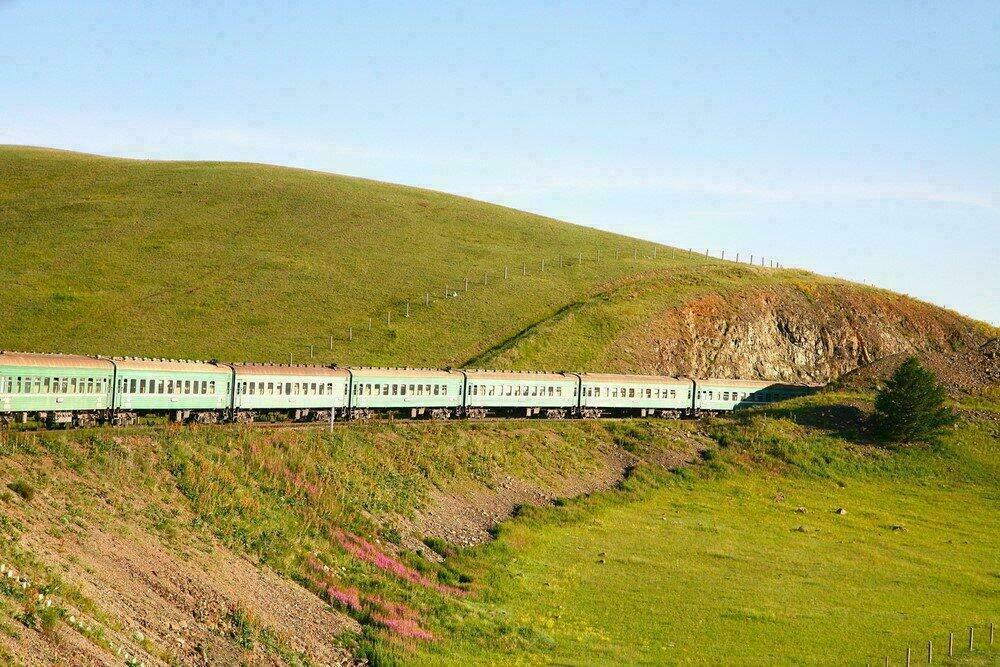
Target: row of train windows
x=143, y=386
x=367, y=389
x=757, y=397
x=50, y=385
x=286, y=388
x=631, y=392
x=515, y=390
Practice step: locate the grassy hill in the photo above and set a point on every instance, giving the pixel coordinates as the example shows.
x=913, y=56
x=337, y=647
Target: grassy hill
x=238, y=261
x=299, y=546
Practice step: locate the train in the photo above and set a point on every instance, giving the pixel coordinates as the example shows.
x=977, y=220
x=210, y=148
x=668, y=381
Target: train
x=78, y=391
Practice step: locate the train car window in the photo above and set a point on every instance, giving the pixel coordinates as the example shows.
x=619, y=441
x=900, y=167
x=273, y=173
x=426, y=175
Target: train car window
x=402, y=390
x=253, y=387
x=411, y=390
x=444, y=390
x=47, y=385
x=673, y=393
x=64, y=385
x=378, y=390
x=160, y=387
x=27, y=385
x=437, y=390
x=288, y=389
x=558, y=391
x=142, y=386
x=395, y=389
x=649, y=392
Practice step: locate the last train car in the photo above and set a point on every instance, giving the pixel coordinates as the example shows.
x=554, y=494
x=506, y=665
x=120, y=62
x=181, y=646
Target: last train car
x=720, y=395
x=54, y=388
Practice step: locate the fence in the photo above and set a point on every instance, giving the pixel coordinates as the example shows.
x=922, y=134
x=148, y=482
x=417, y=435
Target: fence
x=454, y=289
x=909, y=657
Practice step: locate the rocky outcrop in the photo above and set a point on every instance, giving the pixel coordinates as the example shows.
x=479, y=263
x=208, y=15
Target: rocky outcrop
x=814, y=333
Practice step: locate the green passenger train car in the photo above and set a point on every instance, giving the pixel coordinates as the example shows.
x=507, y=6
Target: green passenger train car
x=56, y=388
x=527, y=393
x=190, y=390
x=299, y=391
x=420, y=392
x=644, y=395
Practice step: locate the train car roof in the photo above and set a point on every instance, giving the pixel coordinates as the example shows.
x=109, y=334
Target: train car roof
x=174, y=366
x=517, y=376
x=422, y=373
x=754, y=384
x=52, y=360
x=284, y=370
x=638, y=379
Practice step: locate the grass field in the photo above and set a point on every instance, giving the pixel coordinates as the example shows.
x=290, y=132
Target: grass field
x=747, y=560
x=244, y=261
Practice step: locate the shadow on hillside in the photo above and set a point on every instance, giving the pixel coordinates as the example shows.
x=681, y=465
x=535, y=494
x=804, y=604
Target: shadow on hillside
x=843, y=420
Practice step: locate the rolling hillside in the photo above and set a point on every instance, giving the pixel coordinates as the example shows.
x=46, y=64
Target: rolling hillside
x=399, y=542
x=245, y=261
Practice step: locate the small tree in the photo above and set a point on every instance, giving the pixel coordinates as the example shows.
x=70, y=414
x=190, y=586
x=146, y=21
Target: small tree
x=910, y=407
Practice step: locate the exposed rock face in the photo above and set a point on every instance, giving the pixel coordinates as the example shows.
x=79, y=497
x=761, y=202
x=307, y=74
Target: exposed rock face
x=810, y=334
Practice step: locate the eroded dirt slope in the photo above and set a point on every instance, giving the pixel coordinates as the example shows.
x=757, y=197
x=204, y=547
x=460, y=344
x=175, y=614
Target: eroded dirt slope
x=814, y=334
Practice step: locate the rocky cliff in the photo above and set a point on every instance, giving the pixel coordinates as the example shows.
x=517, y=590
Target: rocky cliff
x=811, y=333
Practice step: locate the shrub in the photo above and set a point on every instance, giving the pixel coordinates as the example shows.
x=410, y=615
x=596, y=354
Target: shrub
x=22, y=488
x=910, y=407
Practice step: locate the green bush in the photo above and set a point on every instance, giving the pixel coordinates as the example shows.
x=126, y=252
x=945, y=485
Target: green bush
x=910, y=407
x=22, y=488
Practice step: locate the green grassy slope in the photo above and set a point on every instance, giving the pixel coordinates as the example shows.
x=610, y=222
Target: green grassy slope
x=245, y=261
x=747, y=560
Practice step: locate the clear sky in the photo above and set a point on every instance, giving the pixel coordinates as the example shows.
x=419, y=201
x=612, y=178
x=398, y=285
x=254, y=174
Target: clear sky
x=859, y=139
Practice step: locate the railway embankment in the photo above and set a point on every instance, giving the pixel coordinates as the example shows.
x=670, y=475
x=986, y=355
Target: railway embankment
x=230, y=543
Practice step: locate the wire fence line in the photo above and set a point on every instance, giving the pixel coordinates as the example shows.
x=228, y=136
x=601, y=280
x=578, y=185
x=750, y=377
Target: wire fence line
x=952, y=647
x=403, y=309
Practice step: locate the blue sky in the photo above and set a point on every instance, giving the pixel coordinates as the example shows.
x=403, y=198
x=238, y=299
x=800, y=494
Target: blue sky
x=854, y=139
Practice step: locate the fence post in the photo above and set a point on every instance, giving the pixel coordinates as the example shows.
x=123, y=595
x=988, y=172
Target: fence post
x=930, y=652
x=951, y=644
x=388, y=318
x=505, y=273
x=907, y=656
x=654, y=253
x=350, y=333
x=310, y=351
x=407, y=309
x=991, y=634
x=289, y=358
x=972, y=635
x=543, y=265
x=723, y=254
x=524, y=269
x=369, y=324
x=427, y=298
x=331, y=342
x=635, y=253
x=486, y=278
